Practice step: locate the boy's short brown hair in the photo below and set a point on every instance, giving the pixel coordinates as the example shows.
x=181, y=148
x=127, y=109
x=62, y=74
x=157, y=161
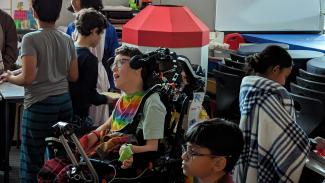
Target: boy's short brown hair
x=127, y=51
x=89, y=19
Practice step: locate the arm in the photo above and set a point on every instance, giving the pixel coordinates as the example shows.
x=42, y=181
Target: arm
x=153, y=127
x=73, y=70
x=28, y=74
x=151, y=145
x=90, y=139
x=320, y=143
x=29, y=63
x=91, y=67
x=73, y=73
x=9, y=50
x=106, y=125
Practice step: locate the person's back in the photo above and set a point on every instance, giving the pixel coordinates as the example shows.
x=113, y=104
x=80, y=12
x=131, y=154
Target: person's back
x=48, y=62
x=54, y=51
x=275, y=146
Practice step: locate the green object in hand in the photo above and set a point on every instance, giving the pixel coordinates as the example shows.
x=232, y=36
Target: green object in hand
x=126, y=152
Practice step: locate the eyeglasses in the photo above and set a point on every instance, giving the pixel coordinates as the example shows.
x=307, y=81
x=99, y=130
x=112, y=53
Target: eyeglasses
x=190, y=154
x=119, y=63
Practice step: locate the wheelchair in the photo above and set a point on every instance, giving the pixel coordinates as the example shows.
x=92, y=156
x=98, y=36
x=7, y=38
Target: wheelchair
x=163, y=166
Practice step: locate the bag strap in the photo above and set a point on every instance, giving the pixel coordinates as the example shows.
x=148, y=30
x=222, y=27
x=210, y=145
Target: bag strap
x=131, y=128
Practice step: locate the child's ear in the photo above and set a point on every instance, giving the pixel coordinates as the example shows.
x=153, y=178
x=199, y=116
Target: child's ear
x=276, y=69
x=220, y=164
x=139, y=70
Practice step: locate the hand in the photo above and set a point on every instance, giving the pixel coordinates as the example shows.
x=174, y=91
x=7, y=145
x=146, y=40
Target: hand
x=320, y=143
x=126, y=153
x=5, y=76
x=127, y=163
x=16, y=72
x=88, y=141
x=109, y=99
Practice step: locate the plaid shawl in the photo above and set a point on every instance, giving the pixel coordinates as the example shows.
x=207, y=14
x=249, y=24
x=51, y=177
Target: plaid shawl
x=275, y=146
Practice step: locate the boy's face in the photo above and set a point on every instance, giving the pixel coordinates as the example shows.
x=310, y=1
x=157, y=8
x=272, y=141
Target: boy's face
x=124, y=75
x=198, y=161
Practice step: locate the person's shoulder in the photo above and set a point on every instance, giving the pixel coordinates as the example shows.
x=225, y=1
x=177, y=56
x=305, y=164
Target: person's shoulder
x=154, y=99
x=154, y=96
x=71, y=25
x=86, y=55
x=4, y=15
x=110, y=29
x=85, y=52
x=32, y=35
x=63, y=35
x=109, y=26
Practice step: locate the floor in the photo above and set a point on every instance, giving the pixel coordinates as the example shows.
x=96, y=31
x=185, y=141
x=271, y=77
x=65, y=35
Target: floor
x=14, y=163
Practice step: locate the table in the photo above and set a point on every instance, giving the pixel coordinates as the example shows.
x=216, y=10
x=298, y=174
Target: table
x=314, y=42
x=316, y=65
x=257, y=48
x=301, y=57
x=304, y=54
x=9, y=93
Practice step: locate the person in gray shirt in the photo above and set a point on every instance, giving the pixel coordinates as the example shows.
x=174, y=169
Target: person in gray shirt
x=48, y=62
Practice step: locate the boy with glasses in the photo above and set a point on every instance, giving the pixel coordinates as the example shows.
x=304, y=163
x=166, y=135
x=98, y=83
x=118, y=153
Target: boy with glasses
x=212, y=150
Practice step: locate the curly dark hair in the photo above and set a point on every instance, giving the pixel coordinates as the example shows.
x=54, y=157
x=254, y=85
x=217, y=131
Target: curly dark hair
x=89, y=19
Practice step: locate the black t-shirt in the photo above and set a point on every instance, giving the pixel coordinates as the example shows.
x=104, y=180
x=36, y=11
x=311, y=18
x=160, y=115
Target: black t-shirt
x=83, y=92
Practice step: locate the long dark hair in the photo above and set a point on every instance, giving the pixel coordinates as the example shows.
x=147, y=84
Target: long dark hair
x=271, y=56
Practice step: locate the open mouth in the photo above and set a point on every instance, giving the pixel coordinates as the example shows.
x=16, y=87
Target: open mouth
x=116, y=76
x=184, y=165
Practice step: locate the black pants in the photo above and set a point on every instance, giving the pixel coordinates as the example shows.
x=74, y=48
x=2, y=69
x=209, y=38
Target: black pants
x=12, y=113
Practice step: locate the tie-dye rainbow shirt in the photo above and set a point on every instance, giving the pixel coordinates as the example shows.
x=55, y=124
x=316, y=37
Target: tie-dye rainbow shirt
x=125, y=110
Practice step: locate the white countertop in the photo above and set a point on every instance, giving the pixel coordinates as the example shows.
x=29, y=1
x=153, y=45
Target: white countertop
x=11, y=91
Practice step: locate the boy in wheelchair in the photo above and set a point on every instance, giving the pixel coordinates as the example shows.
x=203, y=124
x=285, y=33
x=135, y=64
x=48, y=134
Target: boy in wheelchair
x=134, y=127
x=132, y=82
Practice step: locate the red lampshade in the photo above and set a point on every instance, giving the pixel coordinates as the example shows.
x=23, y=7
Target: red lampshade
x=166, y=26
